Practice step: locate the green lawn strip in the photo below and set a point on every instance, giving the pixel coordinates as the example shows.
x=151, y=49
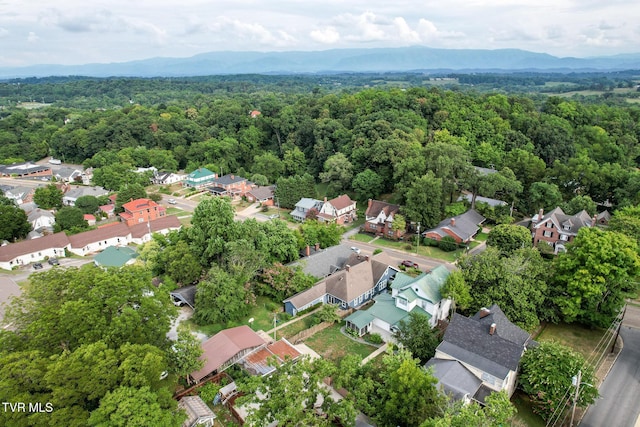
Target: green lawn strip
x=481, y=237
x=331, y=344
x=362, y=237
x=582, y=339
x=428, y=251
x=294, y=328
x=525, y=416
x=185, y=221
x=175, y=211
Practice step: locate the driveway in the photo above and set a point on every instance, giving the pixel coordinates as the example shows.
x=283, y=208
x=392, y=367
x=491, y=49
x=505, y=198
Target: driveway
x=184, y=314
x=618, y=402
x=8, y=288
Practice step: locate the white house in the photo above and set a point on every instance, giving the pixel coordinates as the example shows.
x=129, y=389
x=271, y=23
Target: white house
x=41, y=219
x=34, y=250
x=70, y=197
x=117, y=234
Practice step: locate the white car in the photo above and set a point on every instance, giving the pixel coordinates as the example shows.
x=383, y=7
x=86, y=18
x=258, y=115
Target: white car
x=356, y=250
x=171, y=201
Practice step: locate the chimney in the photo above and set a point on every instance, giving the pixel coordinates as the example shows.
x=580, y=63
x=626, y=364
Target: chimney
x=232, y=176
x=347, y=267
x=492, y=329
x=453, y=222
x=366, y=258
x=307, y=251
x=317, y=246
x=484, y=312
x=369, y=205
x=594, y=220
x=540, y=214
x=325, y=199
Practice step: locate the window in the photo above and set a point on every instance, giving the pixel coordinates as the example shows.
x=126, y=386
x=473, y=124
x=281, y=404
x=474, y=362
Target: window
x=547, y=233
x=564, y=237
x=402, y=302
x=566, y=227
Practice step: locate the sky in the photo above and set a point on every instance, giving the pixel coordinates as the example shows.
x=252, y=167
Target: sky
x=98, y=31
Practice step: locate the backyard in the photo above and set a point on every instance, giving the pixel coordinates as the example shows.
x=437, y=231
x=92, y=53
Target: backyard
x=333, y=345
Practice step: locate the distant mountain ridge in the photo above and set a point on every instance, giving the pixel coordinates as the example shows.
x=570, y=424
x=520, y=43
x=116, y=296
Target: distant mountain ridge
x=415, y=58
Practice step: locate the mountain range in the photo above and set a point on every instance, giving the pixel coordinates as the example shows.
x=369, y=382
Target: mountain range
x=415, y=58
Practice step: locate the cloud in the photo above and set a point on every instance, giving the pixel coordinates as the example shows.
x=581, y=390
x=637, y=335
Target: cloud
x=3, y=32
x=404, y=32
x=32, y=37
x=251, y=31
x=328, y=35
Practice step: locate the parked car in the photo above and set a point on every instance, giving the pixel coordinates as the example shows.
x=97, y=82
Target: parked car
x=409, y=264
x=273, y=216
x=53, y=261
x=171, y=201
x=37, y=266
x=178, y=302
x=356, y=250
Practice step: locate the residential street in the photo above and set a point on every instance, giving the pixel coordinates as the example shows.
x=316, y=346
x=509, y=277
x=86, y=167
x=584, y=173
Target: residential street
x=618, y=403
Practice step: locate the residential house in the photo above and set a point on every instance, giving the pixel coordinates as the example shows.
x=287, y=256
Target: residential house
x=26, y=170
x=304, y=205
x=479, y=199
x=456, y=381
x=67, y=174
x=603, y=218
x=87, y=242
x=262, y=195
x=114, y=256
x=198, y=413
x=341, y=210
x=225, y=348
x=489, y=346
x=41, y=220
x=28, y=207
x=19, y=195
x=91, y=220
x=557, y=228
x=361, y=279
x=379, y=219
x=230, y=185
x=419, y=294
x=34, y=250
x=70, y=197
x=321, y=263
x=141, y=232
x=461, y=227
x=109, y=209
x=140, y=211
x=167, y=178
x=199, y=178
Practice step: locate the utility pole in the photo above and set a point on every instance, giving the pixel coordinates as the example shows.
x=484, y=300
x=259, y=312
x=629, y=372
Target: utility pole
x=576, y=381
x=418, y=244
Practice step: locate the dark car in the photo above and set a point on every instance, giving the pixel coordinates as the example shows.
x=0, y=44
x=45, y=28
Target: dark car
x=53, y=261
x=37, y=266
x=409, y=264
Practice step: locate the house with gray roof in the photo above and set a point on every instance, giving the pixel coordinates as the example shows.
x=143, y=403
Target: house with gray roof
x=479, y=199
x=419, y=294
x=558, y=228
x=230, y=185
x=67, y=174
x=461, y=227
x=304, y=205
x=41, y=220
x=455, y=380
x=320, y=263
x=489, y=346
x=361, y=278
x=70, y=197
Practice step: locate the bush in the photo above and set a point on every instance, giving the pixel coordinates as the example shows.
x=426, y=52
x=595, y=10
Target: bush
x=374, y=338
x=209, y=391
x=431, y=242
x=408, y=247
x=448, y=244
x=377, y=251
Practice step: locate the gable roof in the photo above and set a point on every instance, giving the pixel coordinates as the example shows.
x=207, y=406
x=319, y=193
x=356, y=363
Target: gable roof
x=560, y=220
x=39, y=213
x=200, y=173
x=14, y=250
x=262, y=193
x=341, y=202
x=468, y=339
x=324, y=262
x=223, y=346
x=454, y=378
x=78, y=192
x=464, y=225
x=117, y=229
x=139, y=204
x=376, y=206
x=308, y=203
x=228, y=179
x=427, y=285
x=162, y=223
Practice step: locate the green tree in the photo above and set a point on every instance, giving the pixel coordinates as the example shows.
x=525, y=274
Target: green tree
x=129, y=192
x=545, y=196
x=136, y=407
x=13, y=223
x=312, y=232
x=399, y=223
x=280, y=281
x=290, y=396
x=497, y=411
x=87, y=204
x=595, y=274
x=448, y=244
x=290, y=190
x=627, y=221
x=417, y=336
x=338, y=172
x=211, y=227
x=578, y=204
x=508, y=238
x=70, y=218
x=180, y=264
x=367, y=184
x=49, y=197
x=269, y=165
x=184, y=353
x=457, y=289
x=222, y=298
x=424, y=201
x=546, y=373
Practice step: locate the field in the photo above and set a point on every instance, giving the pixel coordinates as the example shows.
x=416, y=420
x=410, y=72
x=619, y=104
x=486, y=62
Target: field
x=331, y=344
x=580, y=338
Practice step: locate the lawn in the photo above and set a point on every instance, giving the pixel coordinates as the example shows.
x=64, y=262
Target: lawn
x=581, y=338
x=525, y=416
x=262, y=314
x=331, y=344
x=428, y=251
x=362, y=237
x=175, y=211
x=481, y=237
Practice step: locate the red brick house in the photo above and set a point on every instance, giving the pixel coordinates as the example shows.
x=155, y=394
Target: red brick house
x=379, y=219
x=461, y=227
x=558, y=228
x=230, y=185
x=141, y=210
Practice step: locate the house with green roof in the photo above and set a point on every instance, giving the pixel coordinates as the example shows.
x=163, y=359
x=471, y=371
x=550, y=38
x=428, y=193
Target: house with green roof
x=200, y=178
x=115, y=256
x=419, y=294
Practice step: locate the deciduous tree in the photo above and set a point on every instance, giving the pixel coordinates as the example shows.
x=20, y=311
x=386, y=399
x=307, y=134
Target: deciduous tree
x=508, y=238
x=417, y=336
x=49, y=197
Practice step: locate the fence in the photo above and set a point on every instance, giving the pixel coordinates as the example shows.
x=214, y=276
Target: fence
x=302, y=335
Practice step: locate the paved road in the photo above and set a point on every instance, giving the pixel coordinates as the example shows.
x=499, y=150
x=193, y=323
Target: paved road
x=618, y=405
x=399, y=256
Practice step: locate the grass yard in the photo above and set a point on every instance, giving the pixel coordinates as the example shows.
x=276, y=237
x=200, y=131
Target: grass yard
x=175, y=211
x=428, y=251
x=580, y=338
x=525, y=416
x=362, y=237
x=481, y=237
x=331, y=344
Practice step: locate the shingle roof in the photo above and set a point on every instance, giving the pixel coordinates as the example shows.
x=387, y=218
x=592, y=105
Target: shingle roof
x=469, y=341
x=454, y=378
x=118, y=229
x=308, y=203
x=158, y=224
x=262, y=193
x=115, y=256
x=139, y=204
x=228, y=179
x=377, y=206
x=427, y=285
x=341, y=202
x=464, y=226
x=574, y=222
x=223, y=346
x=324, y=262
x=14, y=250
x=78, y=192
